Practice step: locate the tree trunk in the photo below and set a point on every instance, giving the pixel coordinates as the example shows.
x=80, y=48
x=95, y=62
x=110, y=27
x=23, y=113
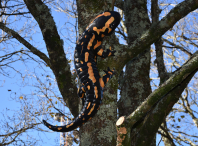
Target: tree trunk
x=101, y=129
x=136, y=82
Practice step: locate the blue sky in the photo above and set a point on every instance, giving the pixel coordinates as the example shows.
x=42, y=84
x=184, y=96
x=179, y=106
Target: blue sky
x=22, y=84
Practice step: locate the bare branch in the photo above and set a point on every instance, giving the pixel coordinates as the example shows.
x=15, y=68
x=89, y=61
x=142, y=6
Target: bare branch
x=177, y=46
x=157, y=30
x=25, y=43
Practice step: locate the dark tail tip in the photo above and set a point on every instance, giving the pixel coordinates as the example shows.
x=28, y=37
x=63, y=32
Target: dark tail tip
x=45, y=123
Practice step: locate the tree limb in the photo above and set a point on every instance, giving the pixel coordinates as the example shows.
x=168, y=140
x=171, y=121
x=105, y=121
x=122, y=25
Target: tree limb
x=157, y=30
x=159, y=96
x=59, y=64
x=25, y=43
x=177, y=46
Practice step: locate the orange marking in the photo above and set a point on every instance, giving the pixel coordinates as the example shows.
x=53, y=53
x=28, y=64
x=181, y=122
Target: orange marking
x=89, y=64
x=91, y=76
x=100, y=52
x=90, y=118
x=69, y=125
x=109, y=72
x=82, y=113
x=107, y=79
x=90, y=72
x=91, y=109
x=110, y=48
x=83, y=118
x=88, y=87
x=97, y=44
x=99, y=30
x=107, y=24
x=109, y=30
x=81, y=69
x=95, y=59
x=109, y=54
x=82, y=43
x=88, y=105
x=102, y=35
x=59, y=128
x=96, y=92
x=90, y=42
x=82, y=95
x=50, y=127
x=101, y=83
x=104, y=14
x=85, y=36
x=98, y=108
x=86, y=56
x=83, y=89
x=81, y=62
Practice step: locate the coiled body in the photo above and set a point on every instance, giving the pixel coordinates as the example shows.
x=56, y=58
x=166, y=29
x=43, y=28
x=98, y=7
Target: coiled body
x=87, y=49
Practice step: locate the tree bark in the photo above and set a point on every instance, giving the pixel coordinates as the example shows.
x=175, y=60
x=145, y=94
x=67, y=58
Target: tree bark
x=59, y=63
x=101, y=129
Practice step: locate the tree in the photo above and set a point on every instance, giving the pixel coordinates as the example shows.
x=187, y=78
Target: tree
x=141, y=111
x=19, y=122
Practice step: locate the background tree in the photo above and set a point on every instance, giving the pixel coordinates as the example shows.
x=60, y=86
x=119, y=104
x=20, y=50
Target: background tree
x=17, y=124
x=143, y=113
